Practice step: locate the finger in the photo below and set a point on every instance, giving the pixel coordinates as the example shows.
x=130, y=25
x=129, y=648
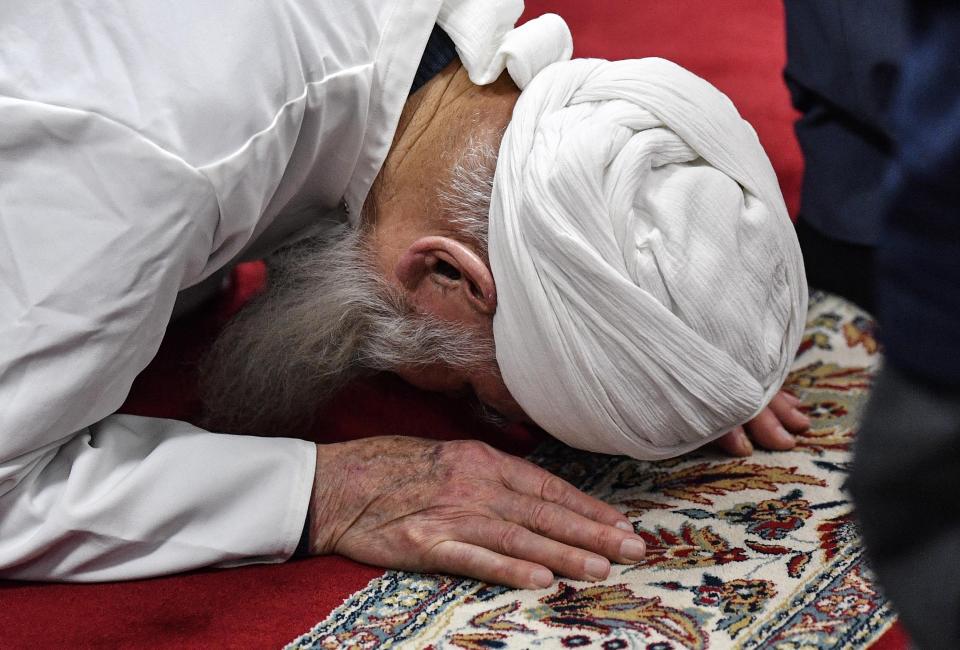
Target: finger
x=568, y=527
x=461, y=558
x=790, y=417
x=736, y=443
x=512, y=540
x=766, y=431
x=525, y=477
x=790, y=397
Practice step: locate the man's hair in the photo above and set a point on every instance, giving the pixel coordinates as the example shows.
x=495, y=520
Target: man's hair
x=466, y=197
x=328, y=317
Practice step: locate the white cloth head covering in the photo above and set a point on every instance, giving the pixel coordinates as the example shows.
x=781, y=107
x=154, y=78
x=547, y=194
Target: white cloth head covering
x=651, y=292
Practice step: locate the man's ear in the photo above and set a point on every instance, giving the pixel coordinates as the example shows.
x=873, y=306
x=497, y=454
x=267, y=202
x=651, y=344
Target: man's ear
x=445, y=277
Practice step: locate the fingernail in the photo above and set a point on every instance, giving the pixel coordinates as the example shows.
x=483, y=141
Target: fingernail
x=624, y=525
x=596, y=568
x=784, y=436
x=633, y=549
x=541, y=578
x=793, y=399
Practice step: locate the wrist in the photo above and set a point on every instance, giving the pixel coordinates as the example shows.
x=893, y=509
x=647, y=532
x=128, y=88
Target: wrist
x=323, y=525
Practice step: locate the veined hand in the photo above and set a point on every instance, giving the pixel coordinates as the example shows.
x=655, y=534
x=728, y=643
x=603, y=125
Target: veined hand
x=462, y=508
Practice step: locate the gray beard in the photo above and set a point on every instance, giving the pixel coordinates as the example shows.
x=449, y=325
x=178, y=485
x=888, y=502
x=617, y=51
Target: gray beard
x=326, y=318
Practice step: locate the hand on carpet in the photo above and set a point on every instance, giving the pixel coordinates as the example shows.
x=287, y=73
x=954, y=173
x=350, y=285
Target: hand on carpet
x=774, y=428
x=462, y=508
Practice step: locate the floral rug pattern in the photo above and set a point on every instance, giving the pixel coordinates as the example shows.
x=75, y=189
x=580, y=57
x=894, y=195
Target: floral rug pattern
x=759, y=552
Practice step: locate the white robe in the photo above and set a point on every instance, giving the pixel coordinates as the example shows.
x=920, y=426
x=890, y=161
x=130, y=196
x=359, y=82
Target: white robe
x=143, y=146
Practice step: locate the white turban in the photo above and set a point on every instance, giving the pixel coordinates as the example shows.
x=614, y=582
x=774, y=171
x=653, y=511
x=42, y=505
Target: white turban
x=651, y=292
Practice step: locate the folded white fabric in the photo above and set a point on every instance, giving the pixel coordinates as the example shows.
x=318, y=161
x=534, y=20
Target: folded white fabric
x=651, y=292
x=487, y=42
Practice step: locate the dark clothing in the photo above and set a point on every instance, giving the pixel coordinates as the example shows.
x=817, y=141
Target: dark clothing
x=918, y=255
x=906, y=475
x=861, y=206
x=878, y=84
x=843, y=64
x=842, y=268
x=437, y=55
x=906, y=487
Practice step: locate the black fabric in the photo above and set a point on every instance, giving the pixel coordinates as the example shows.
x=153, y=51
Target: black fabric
x=303, y=546
x=438, y=54
x=918, y=257
x=834, y=265
x=906, y=487
x=878, y=86
x=843, y=64
x=906, y=475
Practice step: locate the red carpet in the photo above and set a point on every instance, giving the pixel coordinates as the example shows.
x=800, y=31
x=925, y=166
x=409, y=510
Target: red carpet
x=738, y=47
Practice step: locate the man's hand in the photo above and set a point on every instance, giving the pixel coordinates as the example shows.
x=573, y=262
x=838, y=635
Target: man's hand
x=463, y=508
x=773, y=428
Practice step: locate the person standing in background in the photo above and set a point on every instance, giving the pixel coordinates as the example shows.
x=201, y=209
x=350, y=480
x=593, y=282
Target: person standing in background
x=878, y=86
x=906, y=475
x=843, y=63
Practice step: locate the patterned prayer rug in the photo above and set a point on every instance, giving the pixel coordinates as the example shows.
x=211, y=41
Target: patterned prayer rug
x=759, y=552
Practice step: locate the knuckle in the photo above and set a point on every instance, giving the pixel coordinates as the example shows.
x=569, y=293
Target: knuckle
x=553, y=489
x=574, y=563
x=468, y=452
x=508, y=540
x=416, y=542
x=603, y=539
x=542, y=517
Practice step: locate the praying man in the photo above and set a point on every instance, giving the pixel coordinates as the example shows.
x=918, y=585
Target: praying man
x=597, y=248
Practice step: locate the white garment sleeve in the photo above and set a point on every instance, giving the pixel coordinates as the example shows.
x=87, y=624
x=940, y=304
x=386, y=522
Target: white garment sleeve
x=99, y=229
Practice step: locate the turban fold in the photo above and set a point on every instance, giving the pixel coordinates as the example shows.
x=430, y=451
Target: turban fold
x=651, y=293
